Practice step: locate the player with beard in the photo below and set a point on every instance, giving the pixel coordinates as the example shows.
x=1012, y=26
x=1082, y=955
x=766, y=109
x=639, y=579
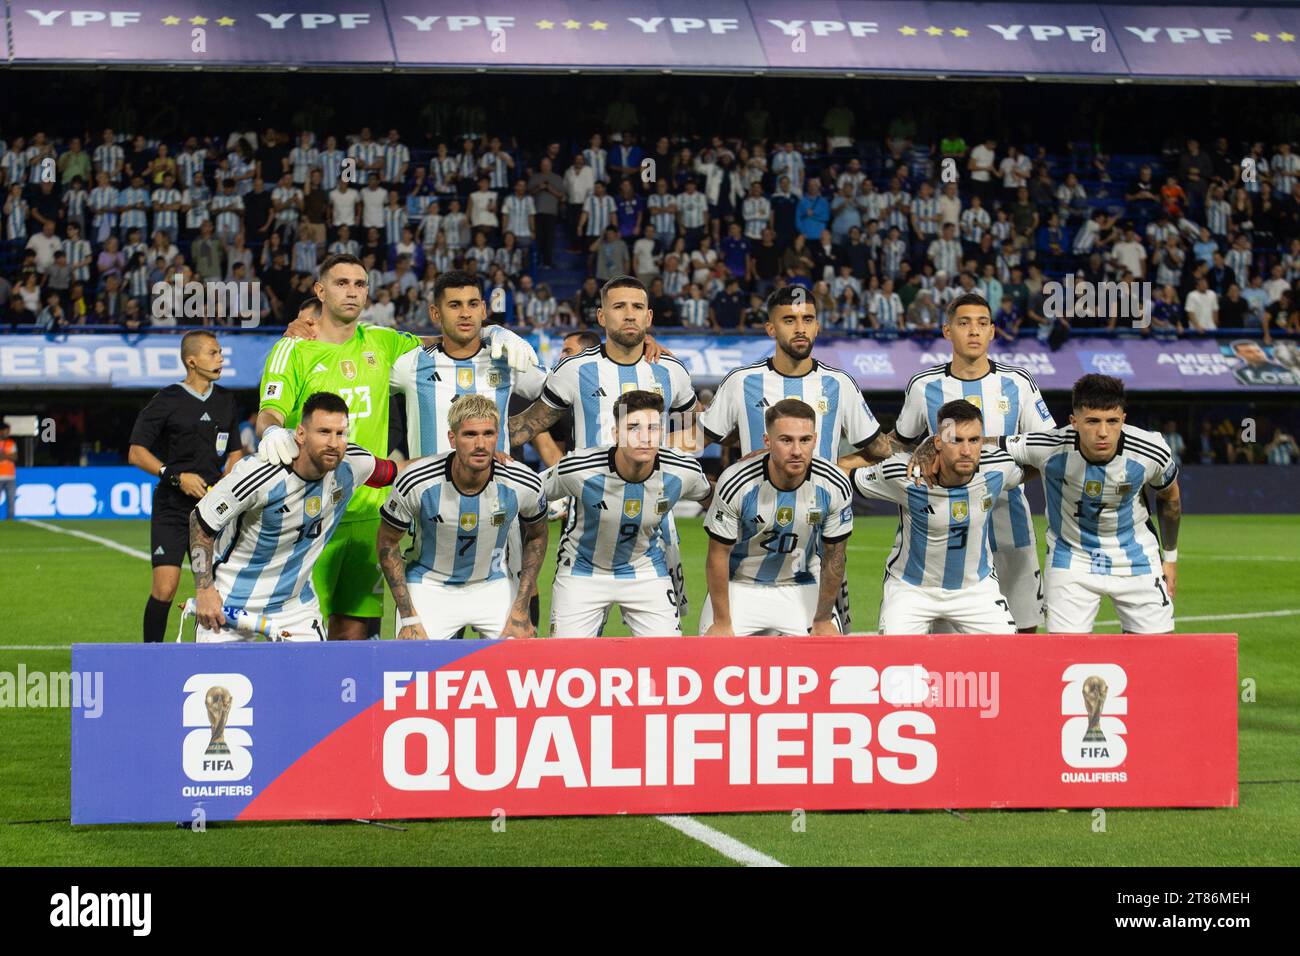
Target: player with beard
x=1010, y=404
x=589, y=383
x=842, y=414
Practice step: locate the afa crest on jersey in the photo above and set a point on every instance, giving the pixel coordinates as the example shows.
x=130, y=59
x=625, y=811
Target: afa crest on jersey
x=661, y=506
x=1124, y=488
x=498, y=518
x=784, y=515
x=348, y=368
x=336, y=495
x=370, y=359
x=814, y=515
x=631, y=508
x=1092, y=488
x=960, y=511
x=313, y=506
x=986, y=503
x=468, y=522
x=465, y=377
x=1004, y=405
x=823, y=406
x=494, y=378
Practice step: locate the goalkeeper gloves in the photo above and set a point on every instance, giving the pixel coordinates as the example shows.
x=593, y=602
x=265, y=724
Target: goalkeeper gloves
x=278, y=446
x=519, y=355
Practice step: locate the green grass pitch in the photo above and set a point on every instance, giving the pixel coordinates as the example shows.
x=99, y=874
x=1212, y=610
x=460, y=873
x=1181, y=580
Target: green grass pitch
x=56, y=589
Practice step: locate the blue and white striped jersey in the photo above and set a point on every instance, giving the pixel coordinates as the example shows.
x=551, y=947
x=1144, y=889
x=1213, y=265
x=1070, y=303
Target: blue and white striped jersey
x=616, y=527
x=431, y=380
x=776, y=536
x=743, y=398
x=459, y=538
x=1097, y=518
x=1011, y=404
x=589, y=383
x=271, y=526
x=943, y=533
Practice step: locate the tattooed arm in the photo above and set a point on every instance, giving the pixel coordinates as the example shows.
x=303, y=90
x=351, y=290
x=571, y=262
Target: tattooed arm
x=388, y=544
x=832, y=577
x=207, y=601
x=880, y=448
x=531, y=422
x=535, y=534
x=1169, y=508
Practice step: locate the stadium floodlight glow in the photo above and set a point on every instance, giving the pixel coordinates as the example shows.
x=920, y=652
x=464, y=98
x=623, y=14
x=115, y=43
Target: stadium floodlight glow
x=1030, y=79
x=941, y=76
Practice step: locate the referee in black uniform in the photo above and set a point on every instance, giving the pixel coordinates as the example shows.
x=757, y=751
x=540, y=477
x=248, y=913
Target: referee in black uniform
x=187, y=436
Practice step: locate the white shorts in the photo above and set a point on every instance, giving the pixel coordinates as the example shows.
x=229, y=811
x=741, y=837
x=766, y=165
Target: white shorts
x=445, y=609
x=580, y=605
x=1019, y=575
x=785, y=610
x=1021, y=583
x=912, y=609
x=673, y=555
x=1141, y=601
x=302, y=626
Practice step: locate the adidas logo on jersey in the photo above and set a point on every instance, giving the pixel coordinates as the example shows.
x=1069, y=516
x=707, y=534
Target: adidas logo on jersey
x=282, y=510
x=205, y=417
x=437, y=519
x=158, y=550
x=320, y=367
x=761, y=403
x=601, y=506
x=598, y=393
x=435, y=377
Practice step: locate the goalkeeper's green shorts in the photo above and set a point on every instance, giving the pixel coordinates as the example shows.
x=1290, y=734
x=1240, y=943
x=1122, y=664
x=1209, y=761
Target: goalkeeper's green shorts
x=347, y=578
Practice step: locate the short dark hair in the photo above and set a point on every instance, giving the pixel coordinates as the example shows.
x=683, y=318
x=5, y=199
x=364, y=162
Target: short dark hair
x=789, y=296
x=339, y=259
x=454, y=279
x=190, y=341
x=1102, y=392
x=637, y=400
x=959, y=410
x=966, y=298
x=789, y=408
x=323, y=402
x=311, y=304
x=588, y=338
x=622, y=282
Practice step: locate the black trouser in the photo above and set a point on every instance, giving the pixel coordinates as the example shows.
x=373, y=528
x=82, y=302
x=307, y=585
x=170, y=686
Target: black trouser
x=546, y=238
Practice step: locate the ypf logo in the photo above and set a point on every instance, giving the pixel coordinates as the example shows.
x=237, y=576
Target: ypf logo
x=1093, y=735
x=216, y=706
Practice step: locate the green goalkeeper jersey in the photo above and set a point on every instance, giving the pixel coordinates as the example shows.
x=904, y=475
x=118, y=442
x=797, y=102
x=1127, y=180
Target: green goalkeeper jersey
x=357, y=370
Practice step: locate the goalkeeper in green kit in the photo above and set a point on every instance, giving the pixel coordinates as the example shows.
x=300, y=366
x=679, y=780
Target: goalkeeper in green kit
x=353, y=361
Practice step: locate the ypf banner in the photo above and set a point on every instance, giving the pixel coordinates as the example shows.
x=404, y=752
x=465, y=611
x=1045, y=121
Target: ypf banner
x=465, y=728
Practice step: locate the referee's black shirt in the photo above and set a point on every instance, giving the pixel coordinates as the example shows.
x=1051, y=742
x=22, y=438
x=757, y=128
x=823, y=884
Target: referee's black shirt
x=187, y=433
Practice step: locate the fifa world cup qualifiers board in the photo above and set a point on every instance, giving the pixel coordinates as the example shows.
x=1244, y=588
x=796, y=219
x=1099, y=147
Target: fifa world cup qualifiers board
x=657, y=725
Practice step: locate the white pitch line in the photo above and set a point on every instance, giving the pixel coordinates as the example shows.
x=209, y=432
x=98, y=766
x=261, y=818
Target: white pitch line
x=1226, y=617
x=85, y=536
x=728, y=846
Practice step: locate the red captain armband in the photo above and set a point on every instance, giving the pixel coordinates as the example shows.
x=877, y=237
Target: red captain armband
x=383, y=475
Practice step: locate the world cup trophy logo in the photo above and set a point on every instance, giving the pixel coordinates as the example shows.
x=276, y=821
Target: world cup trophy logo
x=1094, y=698
x=218, y=700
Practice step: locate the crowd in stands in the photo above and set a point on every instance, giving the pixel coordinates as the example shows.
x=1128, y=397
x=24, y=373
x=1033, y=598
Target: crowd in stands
x=883, y=232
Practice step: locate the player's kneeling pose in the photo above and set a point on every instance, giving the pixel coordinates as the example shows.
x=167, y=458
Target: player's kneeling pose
x=269, y=523
x=777, y=533
x=460, y=506
x=940, y=571
x=613, y=548
x=1099, y=537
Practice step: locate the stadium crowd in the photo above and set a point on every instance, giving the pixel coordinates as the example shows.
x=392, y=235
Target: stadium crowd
x=882, y=234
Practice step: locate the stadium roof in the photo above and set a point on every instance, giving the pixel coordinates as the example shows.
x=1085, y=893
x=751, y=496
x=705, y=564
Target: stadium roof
x=1062, y=41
